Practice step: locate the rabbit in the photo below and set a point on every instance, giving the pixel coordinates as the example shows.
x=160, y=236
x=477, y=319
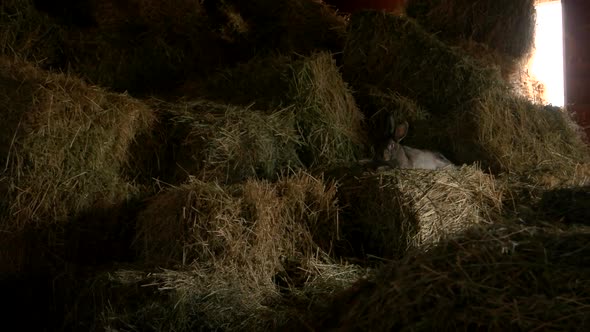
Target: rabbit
x=390, y=152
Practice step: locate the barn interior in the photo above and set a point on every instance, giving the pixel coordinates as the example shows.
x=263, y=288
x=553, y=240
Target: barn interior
x=216, y=165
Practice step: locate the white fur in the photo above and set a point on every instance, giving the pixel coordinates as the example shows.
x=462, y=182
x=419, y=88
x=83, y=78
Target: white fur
x=421, y=159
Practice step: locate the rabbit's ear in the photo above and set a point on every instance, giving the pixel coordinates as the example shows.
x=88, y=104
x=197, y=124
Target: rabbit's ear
x=401, y=131
x=390, y=126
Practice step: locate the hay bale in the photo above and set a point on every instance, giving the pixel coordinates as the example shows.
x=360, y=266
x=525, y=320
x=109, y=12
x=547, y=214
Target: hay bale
x=65, y=144
x=29, y=34
x=475, y=118
x=548, y=197
x=163, y=300
x=386, y=214
x=502, y=277
x=299, y=27
x=143, y=47
x=568, y=205
x=234, y=242
x=507, y=133
x=326, y=115
x=149, y=46
x=262, y=81
x=227, y=143
x=507, y=25
x=395, y=53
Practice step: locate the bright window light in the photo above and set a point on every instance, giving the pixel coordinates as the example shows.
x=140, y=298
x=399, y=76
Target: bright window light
x=547, y=61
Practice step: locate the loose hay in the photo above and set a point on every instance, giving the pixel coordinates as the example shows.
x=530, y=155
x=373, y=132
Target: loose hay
x=235, y=241
x=134, y=300
x=386, y=214
x=505, y=25
x=502, y=277
x=64, y=144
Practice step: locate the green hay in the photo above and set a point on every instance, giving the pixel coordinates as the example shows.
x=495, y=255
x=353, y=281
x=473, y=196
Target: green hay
x=129, y=298
x=326, y=114
x=29, y=34
x=144, y=49
x=230, y=143
x=569, y=206
x=502, y=277
x=386, y=214
x=505, y=25
x=65, y=145
x=147, y=49
x=395, y=53
x=262, y=82
x=519, y=137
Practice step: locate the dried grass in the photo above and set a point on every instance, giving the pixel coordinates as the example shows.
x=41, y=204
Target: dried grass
x=65, y=144
x=326, y=114
x=233, y=248
x=386, y=214
x=230, y=143
x=506, y=25
x=475, y=117
x=500, y=277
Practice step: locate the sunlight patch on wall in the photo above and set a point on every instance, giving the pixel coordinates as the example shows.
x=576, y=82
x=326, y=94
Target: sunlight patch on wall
x=546, y=64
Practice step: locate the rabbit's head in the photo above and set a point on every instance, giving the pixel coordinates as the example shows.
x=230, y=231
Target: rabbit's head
x=390, y=149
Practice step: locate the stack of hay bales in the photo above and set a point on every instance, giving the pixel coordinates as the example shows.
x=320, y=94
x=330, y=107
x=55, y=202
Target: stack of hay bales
x=326, y=115
x=238, y=241
x=148, y=47
x=496, y=33
x=226, y=143
x=501, y=277
x=65, y=146
x=28, y=33
x=475, y=118
x=230, y=244
x=507, y=26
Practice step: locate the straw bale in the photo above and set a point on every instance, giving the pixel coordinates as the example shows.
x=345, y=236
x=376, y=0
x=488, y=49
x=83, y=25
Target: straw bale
x=199, y=221
x=501, y=277
x=290, y=26
x=326, y=114
x=507, y=133
x=228, y=143
x=395, y=53
x=143, y=47
x=556, y=197
x=235, y=242
x=387, y=213
x=28, y=33
x=505, y=25
x=65, y=144
x=134, y=299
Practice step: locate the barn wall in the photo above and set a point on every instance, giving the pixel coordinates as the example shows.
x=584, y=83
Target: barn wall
x=576, y=30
